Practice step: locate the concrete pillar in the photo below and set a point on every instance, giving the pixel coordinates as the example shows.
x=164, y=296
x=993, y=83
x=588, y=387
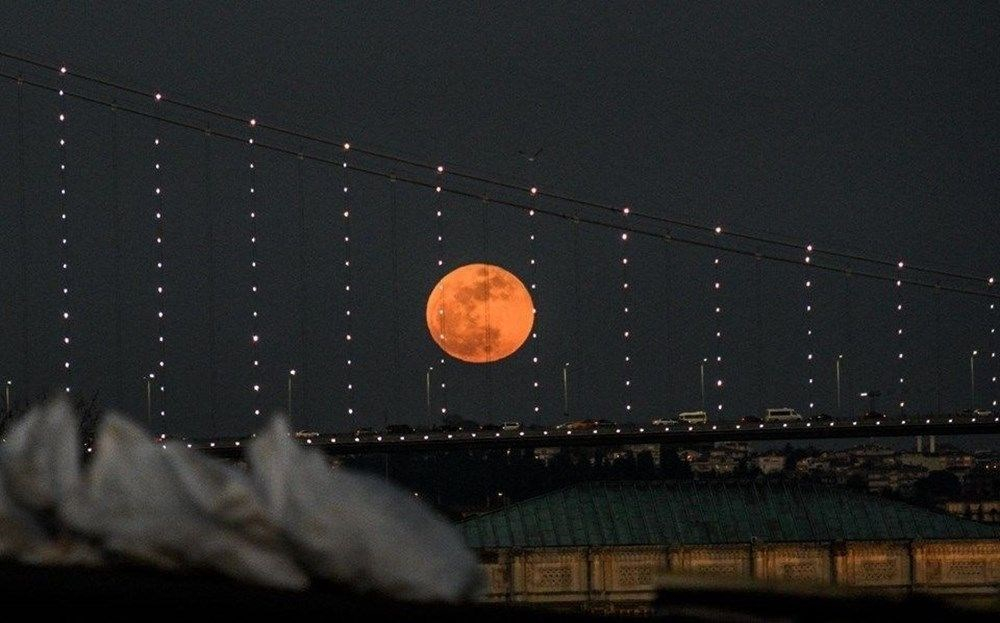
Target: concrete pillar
x=931, y=444
x=920, y=445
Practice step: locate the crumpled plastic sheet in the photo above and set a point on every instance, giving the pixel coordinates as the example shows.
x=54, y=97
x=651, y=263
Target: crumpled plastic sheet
x=356, y=529
x=39, y=469
x=289, y=519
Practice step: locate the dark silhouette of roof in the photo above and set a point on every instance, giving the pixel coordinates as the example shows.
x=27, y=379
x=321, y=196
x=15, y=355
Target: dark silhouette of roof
x=695, y=513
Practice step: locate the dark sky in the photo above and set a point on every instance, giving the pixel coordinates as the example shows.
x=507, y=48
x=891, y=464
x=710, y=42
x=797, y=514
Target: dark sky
x=867, y=128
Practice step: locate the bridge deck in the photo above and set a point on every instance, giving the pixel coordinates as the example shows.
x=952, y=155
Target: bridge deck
x=436, y=441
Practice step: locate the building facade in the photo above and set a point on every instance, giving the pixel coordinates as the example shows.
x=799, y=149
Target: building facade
x=607, y=546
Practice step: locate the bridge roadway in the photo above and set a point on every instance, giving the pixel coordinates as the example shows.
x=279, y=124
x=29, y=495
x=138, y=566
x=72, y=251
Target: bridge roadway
x=635, y=434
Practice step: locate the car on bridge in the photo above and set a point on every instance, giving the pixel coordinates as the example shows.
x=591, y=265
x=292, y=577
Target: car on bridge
x=364, y=431
x=306, y=434
x=871, y=415
x=693, y=417
x=971, y=413
x=399, y=429
x=577, y=425
x=510, y=426
x=751, y=419
x=782, y=414
x=822, y=417
x=664, y=421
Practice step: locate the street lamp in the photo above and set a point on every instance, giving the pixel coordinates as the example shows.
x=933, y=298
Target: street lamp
x=702, y=366
x=871, y=395
x=7, y=395
x=427, y=385
x=149, y=400
x=840, y=412
x=566, y=388
x=291, y=373
x=972, y=376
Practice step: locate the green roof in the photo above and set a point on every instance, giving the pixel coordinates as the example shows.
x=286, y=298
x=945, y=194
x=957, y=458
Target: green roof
x=692, y=513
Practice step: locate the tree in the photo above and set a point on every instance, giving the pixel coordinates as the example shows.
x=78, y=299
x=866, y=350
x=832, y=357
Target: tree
x=938, y=486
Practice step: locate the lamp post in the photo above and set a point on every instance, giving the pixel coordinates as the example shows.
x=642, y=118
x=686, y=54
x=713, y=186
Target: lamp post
x=427, y=385
x=566, y=388
x=7, y=395
x=871, y=395
x=840, y=412
x=702, y=366
x=972, y=376
x=149, y=400
x=291, y=373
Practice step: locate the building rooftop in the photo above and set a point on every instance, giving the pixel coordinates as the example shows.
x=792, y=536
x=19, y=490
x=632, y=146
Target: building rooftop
x=692, y=513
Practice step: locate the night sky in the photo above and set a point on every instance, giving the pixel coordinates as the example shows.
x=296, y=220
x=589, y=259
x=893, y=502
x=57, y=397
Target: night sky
x=869, y=129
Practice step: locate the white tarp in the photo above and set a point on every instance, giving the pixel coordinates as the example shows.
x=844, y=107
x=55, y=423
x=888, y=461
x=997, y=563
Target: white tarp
x=290, y=518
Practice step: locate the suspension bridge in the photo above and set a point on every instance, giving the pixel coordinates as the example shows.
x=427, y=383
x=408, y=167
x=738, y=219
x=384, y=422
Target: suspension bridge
x=203, y=268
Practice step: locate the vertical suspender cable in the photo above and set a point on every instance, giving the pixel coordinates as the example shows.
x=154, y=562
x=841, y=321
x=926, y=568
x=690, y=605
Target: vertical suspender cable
x=439, y=225
x=255, y=382
x=301, y=357
x=119, y=265
x=64, y=242
x=394, y=378
x=210, y=213
x=23, y=244
x=348, y=295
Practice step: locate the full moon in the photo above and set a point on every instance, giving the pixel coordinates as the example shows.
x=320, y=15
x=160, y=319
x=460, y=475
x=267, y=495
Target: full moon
x=480, y=313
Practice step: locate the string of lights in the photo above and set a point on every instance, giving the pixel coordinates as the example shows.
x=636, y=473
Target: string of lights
x=991, y=323
x=626, y=325
x=254, y=285
x=809, y=337
x=533, y=285
x=717, y=299
x=64, y=254
x=493, y=181
x=439, y=227
x=158, y=233
x=348, y=295
x=900, y=341
x=991, y=346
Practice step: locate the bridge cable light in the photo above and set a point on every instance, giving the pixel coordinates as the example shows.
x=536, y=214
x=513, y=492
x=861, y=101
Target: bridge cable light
x=991, y=344
x=900, y=313
x=626, y=323
x=64, y=229
x=809, y=329
x=349, y=349
x=255, y=339
x=159, y=293
x=533, y=284
x=717, y=299
x=438, y=208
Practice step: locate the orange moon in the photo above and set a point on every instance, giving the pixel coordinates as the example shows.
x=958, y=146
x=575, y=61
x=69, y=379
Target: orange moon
x=480, y=313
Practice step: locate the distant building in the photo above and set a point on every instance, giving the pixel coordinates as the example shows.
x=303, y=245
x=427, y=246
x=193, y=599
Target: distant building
x=987, y=511
x=770, y=463
x=603, y=546
x=545, y=454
